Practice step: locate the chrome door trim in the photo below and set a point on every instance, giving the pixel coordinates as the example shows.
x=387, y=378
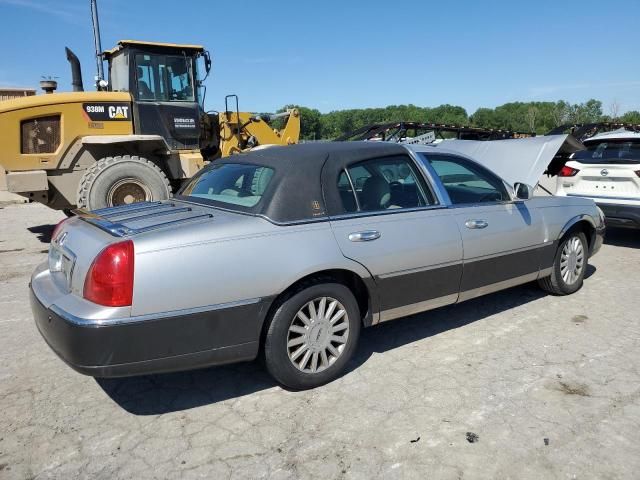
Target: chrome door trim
x=494, y=287
x=508, y=252
x=419, y=269
x=545, y=272
x=419, y=307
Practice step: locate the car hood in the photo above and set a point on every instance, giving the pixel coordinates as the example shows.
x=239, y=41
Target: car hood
x=516, y=160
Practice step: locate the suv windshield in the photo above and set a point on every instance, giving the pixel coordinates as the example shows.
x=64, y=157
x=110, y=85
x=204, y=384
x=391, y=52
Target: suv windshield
x=231, y=184
x=613, y=151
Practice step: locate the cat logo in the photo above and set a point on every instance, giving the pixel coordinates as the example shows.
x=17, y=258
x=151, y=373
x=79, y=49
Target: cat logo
x=107, y=111
x=118, y=113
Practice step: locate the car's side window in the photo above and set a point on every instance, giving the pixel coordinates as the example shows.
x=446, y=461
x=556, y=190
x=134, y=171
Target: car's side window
x=382, y=184
x=466, y=182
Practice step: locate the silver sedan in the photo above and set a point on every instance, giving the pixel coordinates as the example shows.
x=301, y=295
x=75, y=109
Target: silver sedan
x=288, y=252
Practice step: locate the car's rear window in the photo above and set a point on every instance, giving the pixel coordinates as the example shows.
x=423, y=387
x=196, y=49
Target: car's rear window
x=231, y=184
x=619, y=151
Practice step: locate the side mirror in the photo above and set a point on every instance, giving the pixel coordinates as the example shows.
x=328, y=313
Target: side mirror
x=523, y=191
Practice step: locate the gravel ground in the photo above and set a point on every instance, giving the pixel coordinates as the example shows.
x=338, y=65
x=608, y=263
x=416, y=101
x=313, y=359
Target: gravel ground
x=517, y=384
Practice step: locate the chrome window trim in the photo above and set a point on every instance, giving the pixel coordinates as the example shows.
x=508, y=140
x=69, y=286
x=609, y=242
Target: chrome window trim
x=86, y=322
x=432, y=180
x=420, y=154
x=353, y=189
x=346, y=216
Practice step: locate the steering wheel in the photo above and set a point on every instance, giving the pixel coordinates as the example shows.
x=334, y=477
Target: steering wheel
x=491, y=196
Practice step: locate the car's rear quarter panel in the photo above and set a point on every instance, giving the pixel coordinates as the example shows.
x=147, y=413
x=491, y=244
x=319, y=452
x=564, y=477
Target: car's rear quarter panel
x=257, y=260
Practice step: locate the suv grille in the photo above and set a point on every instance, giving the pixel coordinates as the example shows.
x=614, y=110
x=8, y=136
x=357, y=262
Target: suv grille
x=40, y=135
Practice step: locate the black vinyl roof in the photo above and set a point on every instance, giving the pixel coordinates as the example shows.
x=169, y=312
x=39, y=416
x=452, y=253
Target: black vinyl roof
x=295, y=192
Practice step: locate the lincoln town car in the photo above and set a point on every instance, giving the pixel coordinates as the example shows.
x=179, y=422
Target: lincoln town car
x=288, y=252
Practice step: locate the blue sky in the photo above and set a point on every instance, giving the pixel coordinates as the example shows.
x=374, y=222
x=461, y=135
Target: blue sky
x=350, y=54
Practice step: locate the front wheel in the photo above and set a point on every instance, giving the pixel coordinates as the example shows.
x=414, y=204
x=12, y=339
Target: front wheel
x=114, y=181
x=569, y=266
x=312, y=335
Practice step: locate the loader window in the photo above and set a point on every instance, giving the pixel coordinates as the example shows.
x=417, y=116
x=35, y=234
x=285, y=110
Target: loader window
x=165, y=78
x=119, y=72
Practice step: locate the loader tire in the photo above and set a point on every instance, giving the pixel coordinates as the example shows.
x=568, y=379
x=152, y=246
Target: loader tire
x=113, y=181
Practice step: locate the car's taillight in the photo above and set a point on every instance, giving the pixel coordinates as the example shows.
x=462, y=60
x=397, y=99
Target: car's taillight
x=109, y=281
x=568, y=171
x=57, y=228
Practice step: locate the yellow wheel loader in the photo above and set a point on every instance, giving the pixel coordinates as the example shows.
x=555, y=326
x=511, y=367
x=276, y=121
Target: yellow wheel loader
x=135, y=139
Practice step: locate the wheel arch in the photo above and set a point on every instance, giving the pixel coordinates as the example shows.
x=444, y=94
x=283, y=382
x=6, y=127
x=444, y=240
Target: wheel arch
x=363, y=290
x=583, y=223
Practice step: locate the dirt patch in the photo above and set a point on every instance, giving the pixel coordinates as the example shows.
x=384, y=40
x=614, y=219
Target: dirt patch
x=572, y=388
x=12, y=250
x=579, y=318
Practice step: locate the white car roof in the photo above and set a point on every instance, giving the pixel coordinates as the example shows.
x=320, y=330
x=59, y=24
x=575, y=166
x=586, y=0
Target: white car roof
x=620, y=134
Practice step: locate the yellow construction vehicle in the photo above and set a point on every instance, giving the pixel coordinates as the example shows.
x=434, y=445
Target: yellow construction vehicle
x=135, y=139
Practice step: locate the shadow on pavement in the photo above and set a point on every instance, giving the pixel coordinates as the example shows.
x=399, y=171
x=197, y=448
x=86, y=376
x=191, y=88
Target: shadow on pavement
x=43, y=232
x=158, y=394
x=622, y=237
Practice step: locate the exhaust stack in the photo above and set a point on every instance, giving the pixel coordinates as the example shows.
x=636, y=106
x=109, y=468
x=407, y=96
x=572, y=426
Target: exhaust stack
x=76, y=73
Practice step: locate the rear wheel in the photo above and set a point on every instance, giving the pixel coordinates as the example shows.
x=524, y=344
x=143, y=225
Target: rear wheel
x=569, y=266
x=312, y=335
x=114, y=181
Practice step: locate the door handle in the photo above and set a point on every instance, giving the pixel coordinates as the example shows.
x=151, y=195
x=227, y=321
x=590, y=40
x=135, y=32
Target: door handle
x=366, y=236
x=473, y=224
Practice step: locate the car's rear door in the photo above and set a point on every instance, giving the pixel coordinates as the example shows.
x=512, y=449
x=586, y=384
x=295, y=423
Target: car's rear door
x=504, y=240
x=390, y=221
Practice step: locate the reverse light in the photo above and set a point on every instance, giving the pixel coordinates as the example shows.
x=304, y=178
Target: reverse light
x=568, y=172
x=109, y=281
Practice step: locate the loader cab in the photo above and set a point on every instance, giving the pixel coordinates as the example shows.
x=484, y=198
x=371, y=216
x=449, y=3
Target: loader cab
x=163, y=82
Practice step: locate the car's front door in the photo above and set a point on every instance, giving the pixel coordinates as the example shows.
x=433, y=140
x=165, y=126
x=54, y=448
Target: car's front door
x=504, y=240
x=391, y=223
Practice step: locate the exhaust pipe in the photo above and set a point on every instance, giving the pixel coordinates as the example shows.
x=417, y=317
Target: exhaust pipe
x=76, y=73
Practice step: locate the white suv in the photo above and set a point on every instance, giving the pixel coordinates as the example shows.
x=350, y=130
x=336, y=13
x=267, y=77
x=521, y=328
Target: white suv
x=608, y=172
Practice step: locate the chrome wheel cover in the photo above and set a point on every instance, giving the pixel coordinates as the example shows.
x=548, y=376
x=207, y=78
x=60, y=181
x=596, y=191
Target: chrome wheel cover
x=127, y=191
x=317, y=335
x=571, y=260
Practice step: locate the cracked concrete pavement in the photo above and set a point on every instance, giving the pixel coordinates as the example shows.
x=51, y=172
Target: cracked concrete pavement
x=517, y=384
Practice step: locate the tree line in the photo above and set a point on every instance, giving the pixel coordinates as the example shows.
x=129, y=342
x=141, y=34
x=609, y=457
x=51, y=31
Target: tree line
x=538, y=117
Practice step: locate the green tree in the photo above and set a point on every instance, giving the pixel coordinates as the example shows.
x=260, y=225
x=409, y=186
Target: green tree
x=632, y=116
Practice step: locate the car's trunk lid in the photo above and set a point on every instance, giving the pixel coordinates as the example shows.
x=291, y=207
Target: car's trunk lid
x=128, y=220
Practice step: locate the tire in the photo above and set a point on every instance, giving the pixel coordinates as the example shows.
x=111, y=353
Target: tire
x=113, y=181
x=560, y=282
x=316, y=336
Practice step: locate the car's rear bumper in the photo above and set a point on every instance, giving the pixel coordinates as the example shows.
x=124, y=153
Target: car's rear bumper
x=621, y=215
x=170, y=343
